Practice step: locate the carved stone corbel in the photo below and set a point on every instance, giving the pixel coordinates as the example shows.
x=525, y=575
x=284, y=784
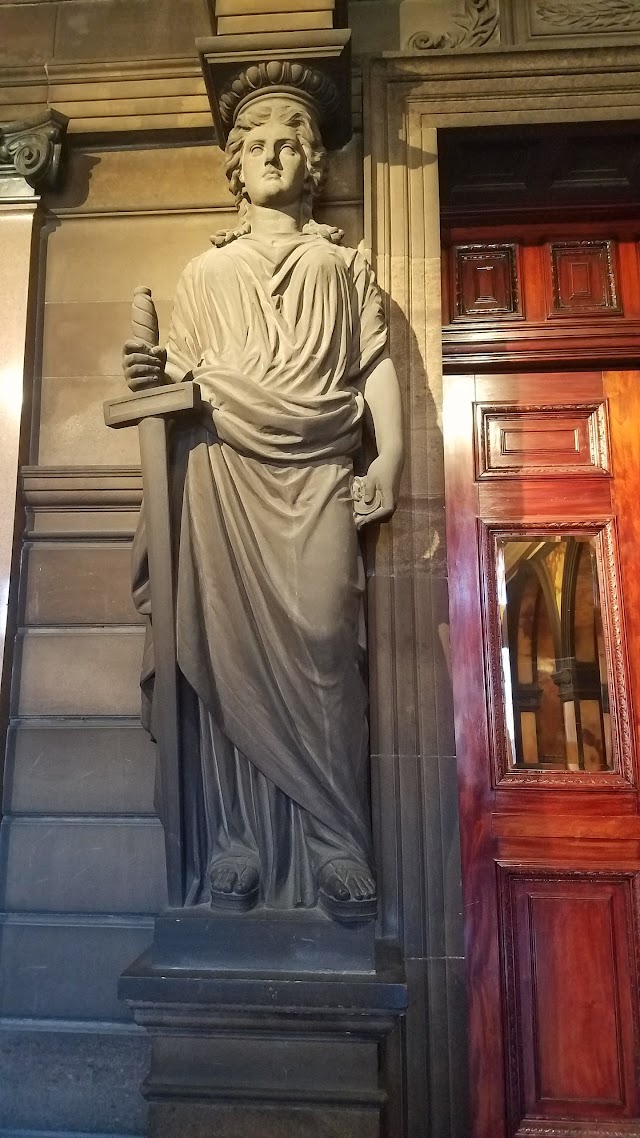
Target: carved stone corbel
x=311, y=64
x=32, y=149
x=314, y=68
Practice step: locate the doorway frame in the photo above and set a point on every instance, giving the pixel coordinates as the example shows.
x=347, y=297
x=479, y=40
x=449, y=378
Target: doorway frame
x=408, y=100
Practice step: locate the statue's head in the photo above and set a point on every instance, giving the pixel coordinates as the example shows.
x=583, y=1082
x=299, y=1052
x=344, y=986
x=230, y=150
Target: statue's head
x=284, y=128
x=275, y=155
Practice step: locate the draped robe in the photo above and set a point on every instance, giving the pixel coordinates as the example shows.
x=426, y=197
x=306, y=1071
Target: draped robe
x=269, y=576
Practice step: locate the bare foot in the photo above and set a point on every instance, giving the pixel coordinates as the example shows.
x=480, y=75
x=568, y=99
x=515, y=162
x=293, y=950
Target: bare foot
x=347, y=890
x=234, y=883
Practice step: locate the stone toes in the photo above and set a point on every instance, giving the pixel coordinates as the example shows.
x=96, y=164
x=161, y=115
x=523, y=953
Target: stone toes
x=353, y=887
x=246, y=880
x=222, y=879
x=340, y=891
x=367, y=887
x=230, y=879
x=348, y=882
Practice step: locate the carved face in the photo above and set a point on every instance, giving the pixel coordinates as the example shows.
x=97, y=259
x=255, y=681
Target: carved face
x=274, y=167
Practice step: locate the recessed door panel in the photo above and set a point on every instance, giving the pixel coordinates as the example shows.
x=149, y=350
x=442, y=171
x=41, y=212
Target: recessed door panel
x=566, y=935
x=541, y=441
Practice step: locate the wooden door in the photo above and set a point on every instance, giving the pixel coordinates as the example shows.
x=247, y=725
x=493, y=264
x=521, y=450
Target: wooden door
x=543, y=526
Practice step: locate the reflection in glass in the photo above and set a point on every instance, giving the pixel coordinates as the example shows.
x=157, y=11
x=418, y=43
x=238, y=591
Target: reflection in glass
x=554, y=669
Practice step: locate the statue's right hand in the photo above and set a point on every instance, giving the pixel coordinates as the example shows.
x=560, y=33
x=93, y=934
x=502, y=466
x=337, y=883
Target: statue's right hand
x=143, y=366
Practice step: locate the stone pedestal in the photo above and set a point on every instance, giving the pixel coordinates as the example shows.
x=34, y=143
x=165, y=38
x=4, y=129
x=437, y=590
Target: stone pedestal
x=310, y=1046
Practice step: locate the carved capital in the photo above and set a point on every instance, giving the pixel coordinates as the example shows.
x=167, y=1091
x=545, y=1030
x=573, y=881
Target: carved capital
x=280, y=76
x=476, y=27
x=33, y=149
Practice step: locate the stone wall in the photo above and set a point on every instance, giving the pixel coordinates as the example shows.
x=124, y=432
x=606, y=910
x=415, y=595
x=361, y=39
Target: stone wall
x=82, y=850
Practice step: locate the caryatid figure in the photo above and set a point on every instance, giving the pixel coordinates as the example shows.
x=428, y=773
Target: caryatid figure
x=284, y=331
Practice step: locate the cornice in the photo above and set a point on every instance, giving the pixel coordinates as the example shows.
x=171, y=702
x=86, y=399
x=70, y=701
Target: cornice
x=170, y=94
x=509, y=61
x=106, y=98
x=133, y=96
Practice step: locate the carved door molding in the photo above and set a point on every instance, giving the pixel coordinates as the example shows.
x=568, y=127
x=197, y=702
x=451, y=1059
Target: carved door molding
x=623, y=774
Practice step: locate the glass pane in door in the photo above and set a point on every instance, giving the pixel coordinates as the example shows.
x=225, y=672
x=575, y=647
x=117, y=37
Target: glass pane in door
x=554, y=668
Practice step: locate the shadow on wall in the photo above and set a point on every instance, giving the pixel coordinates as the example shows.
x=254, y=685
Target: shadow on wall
x=413, y=755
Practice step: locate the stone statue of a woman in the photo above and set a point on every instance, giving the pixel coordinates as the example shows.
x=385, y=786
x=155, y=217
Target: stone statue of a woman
x=284, y=331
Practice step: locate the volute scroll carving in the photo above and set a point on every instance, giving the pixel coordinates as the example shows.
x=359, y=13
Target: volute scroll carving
x=34, y=148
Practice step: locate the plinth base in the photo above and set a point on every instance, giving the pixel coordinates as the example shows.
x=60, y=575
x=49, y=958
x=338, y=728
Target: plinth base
x=268, y=1053
x=303, y=940
x=226, y=1121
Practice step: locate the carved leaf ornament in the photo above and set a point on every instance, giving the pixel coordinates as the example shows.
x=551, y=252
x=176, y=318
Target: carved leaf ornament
x=590, y=15
x=474, y=29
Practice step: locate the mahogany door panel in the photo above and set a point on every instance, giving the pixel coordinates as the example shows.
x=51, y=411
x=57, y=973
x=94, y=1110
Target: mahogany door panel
x=542, y=443
x=582, y=275
x=540, y=292
x=568, y=970
x=576, y=823
x=592, y=852
x=530, y=501
x=486, y=281
x=540, y=388
x=542, y=479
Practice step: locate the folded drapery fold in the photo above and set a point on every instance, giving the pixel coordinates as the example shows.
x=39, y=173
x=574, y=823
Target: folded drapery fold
x=269, y=577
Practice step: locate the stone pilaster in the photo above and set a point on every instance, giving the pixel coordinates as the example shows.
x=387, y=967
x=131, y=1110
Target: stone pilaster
x=30, y=158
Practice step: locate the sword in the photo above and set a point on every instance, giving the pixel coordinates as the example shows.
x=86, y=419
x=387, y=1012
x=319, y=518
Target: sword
x=149, y=409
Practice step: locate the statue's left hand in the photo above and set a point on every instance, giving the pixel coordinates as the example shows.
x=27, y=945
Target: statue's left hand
x=383, y=478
